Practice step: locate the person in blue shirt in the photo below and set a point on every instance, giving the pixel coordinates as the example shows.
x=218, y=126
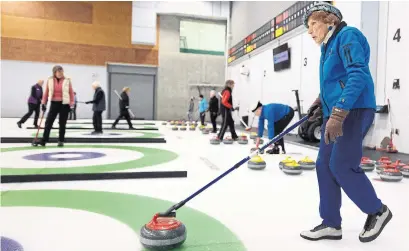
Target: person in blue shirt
x=347, y=99
x=278, y=117
x=202, y=108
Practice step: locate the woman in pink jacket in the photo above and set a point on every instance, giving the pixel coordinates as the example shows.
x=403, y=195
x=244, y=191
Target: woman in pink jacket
x=58, y=90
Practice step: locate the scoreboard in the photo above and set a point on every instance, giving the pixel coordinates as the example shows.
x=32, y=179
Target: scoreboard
x=258, y=38
x=283, y=23
x=236, y=51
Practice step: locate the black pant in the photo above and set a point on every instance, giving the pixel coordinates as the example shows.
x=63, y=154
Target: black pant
x=123, y=113
x=31, y=108
x=202, y=117
x=227, y=122
x=56, y=108
x=280, y=125
x=73, y=113
x=213, y=117
x=97, y=121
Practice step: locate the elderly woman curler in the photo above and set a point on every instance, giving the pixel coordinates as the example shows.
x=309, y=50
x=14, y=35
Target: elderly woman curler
x=59, y=91
x=34, y=102
x=98, y=107
x=347, y=100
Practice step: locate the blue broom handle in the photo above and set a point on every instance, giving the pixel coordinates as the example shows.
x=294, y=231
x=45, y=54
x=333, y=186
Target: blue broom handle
x=238, y=164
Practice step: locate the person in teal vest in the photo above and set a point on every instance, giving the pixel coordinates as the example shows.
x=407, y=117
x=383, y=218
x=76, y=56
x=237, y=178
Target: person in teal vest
x=202, y=108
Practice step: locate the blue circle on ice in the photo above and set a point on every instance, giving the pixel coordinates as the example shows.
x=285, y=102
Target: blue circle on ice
x=51, y=156
x=8, y=244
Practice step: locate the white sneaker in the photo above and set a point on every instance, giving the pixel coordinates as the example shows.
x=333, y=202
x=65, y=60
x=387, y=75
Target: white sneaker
x=322, y=232
x=374, y=224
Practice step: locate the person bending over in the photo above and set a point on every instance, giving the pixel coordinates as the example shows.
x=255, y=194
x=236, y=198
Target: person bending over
x=213, y=109
x=278, y=117
x=202, y=108
x=123, y=108
x=34, y=102
x=226, y=109
x=59, y=91
x=347, y=99
x=98, y=107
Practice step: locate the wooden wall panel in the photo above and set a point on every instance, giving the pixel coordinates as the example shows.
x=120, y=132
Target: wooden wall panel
x=44, y=51
x=67, y=32
x=45, y=35
x=64, y=11
x=112, y=13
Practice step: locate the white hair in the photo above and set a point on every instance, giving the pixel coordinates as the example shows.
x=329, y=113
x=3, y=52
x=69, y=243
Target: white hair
x=212, y=92
x=96, y=84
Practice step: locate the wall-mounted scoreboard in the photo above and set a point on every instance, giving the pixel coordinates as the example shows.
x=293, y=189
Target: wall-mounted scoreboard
x=283, y=23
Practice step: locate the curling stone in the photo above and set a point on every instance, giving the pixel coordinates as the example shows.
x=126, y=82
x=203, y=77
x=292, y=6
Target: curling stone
x=367, y=164
x=391, y=174
x=164, y=123
x=255, y=149
x=201, y=127
x=307, y=164
x=405, y=171
x=172, y=123
x=292, y=168
x=256, y=163
x=243, y=140
x=253, y=135
x=215, y=141
x=183, y=128
x=192, y=128
x=175, y=128
x=286, y=160
x=228, y=141
x=383, y=161
x=163, y=233
x=205, y=131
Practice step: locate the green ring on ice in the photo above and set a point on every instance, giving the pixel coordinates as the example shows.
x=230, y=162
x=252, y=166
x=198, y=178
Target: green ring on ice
x=151, y=157
x=204, y=232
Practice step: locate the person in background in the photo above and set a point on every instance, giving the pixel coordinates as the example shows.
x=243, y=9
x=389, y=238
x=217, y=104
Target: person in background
x=226, y=109
x=73, y=111
x=190, y=110
x=98, y=107
x=34, y=103
x=59, y=91
x=347, y=99
x=213, y=109
x=278, y=117
x=123, y=108
x=202, y=108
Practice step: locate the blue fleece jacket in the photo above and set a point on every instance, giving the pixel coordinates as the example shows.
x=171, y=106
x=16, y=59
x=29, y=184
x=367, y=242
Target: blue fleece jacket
x=345, y=78
x=272, y=113
x=203, y=105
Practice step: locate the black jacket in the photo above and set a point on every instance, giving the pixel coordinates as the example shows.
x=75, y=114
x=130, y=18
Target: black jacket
x=214, y=105
x=99, y=103
x=124, y=103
